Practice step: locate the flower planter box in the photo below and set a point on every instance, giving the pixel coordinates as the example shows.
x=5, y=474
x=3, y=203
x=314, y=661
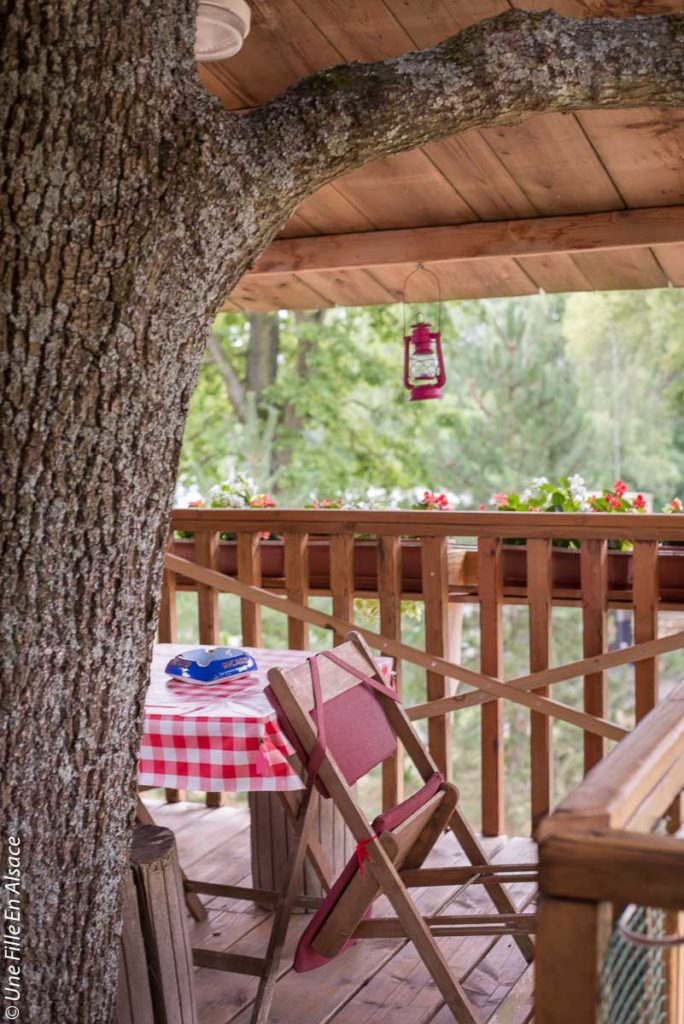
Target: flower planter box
x=566, y=573
x=565, y=566
x=272, y=555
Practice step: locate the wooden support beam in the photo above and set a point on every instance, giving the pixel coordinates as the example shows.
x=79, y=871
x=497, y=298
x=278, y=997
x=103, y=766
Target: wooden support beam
x=297, y=586
x=539, y=236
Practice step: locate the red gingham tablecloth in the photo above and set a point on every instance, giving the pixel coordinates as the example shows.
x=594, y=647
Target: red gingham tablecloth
x=221, y=738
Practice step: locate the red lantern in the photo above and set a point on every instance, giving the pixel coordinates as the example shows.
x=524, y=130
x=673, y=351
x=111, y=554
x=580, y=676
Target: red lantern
x=424, y=373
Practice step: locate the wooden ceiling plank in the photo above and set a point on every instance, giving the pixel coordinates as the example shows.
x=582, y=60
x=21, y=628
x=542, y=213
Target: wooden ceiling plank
x=474, y=169
x=555, y=165
x=284, y=45
x=350, y=288
x=279, y=291
x=431, y=21
x=671, y=259
x=622, y=229
x=406, y=191
x=556, y=272
x=297, y=227
x=643, y=151
x=329, y=212
x=624, y=268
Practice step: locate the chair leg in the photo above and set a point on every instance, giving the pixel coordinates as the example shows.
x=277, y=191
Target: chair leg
x=428, y=950
x=281, y=920
x=497, y=893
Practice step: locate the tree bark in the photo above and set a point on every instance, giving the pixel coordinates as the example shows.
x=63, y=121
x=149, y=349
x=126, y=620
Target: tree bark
x=131, y=204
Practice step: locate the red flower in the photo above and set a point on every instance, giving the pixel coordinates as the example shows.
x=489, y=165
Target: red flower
x=501, y=498
x=620, y=488
x=676, y=505
x=262, y=501
x=613, y=501
x=200, y=504
x=483, y=508
x=640, y=502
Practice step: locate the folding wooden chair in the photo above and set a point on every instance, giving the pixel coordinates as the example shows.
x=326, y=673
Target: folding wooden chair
x=343, y=721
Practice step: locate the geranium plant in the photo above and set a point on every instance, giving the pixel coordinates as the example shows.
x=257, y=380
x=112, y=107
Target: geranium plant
x=570, y=494
x=432, y=502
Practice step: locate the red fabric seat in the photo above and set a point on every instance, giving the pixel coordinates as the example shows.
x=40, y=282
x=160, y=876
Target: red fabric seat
x=306, y=957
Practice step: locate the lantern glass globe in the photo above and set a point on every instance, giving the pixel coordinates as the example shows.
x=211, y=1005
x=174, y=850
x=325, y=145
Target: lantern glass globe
x=222, y=27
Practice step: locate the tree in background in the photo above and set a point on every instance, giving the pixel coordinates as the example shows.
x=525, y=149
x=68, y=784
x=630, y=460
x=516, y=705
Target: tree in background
x=627, y=352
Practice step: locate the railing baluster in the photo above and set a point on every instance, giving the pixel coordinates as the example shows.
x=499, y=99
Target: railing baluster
x=342, y=578
x=389, y=595
x=249, y=571
x=206, y=550
x=436, y=598
x=490, y=568
x=646, y=596
x=168, y=615
x=539, y=587
x=297, y=586
x=594, y=579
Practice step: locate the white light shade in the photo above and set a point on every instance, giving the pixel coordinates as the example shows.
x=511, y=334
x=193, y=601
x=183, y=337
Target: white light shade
x=222, y=27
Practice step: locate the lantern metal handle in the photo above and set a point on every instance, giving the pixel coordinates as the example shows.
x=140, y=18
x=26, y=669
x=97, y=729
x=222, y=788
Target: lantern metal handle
x=426, y=270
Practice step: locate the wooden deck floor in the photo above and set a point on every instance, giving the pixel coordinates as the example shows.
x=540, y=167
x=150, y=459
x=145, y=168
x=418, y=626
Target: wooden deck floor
x=377, y=980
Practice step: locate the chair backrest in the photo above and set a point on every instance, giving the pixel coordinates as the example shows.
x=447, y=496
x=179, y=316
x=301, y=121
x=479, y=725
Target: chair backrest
x=356, y=731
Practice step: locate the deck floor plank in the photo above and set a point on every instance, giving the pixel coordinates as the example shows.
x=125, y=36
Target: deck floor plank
x=379, y=981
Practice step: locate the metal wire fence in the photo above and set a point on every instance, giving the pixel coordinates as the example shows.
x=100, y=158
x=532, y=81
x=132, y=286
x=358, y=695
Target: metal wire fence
x=634, y=979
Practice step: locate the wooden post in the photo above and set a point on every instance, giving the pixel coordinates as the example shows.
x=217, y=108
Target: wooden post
x=297, y=586
x=539, y=586
x=206, y=549
x=572, y=937
x=594, y=578
x=133, y=995
x=342, y=578
x=161, y=908
x=249, y=571
x=389, y=594
x=646, y=597
x=436, y=598
x=490, y=573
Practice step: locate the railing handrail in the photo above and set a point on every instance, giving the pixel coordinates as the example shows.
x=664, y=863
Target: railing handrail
x=635, y=784
x=528, y=525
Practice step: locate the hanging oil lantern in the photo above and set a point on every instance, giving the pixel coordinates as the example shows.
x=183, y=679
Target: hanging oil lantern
x=424, y=373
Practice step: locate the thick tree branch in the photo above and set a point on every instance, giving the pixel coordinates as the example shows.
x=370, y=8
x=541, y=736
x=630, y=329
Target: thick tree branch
x=231, y=381
x=498, y=71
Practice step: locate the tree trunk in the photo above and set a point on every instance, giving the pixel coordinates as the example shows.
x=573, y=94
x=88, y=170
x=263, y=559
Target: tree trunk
x=131, y=205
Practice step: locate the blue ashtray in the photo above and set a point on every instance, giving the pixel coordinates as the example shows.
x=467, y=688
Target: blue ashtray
x=211, y=664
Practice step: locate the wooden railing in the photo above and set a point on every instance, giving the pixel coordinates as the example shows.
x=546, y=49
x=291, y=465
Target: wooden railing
x=450, y=574
x=599, y=853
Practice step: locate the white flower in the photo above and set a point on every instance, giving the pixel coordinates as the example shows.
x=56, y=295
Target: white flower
x=578, y=488
x=539, y=481
x=526, y=494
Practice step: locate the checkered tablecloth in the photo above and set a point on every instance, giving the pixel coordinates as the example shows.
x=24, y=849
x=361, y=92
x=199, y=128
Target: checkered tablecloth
x=222, y=738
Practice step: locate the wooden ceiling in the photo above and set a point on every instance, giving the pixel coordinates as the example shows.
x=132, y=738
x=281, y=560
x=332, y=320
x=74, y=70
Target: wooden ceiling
x=548, y=183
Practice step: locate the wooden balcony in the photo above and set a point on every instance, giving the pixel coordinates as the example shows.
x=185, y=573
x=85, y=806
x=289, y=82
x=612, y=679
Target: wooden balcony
x=463, y=559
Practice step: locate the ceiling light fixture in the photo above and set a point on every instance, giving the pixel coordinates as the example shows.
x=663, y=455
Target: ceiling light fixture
x=222, y=27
